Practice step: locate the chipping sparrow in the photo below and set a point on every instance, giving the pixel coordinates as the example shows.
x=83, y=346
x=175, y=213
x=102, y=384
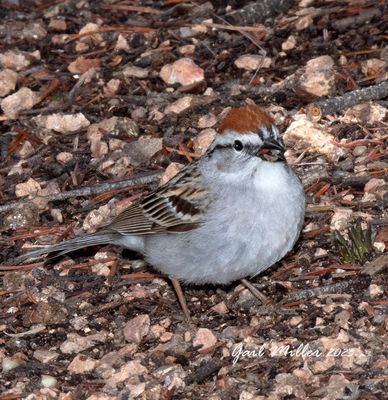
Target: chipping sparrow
x=227, y=216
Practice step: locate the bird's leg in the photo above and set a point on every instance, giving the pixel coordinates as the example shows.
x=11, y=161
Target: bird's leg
x=181, y=298
x=254, y=291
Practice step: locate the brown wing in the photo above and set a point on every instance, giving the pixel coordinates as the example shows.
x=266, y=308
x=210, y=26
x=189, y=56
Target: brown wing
x=175, y=207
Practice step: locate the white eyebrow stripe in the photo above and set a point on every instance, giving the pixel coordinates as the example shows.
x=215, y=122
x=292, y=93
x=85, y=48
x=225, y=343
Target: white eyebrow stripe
x=271, y=132
x=265, y=133
x=249, y=138
x=275, y=131
x=229, y=136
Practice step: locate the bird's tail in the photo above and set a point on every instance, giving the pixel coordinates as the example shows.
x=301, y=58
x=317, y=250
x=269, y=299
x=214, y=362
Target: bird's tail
x=69, y=245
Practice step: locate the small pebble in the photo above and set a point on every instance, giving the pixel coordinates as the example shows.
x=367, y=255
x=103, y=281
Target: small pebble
x=346, y=165
x=375, y=290
x=138, y=265
x=9, y=364
x=21, y=217
x=359, y=151
x=48, y=381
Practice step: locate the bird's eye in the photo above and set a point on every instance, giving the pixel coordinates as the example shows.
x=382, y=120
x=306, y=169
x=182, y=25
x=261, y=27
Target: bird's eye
x=237, y=145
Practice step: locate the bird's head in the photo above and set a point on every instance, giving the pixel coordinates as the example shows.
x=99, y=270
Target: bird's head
x=248, y=132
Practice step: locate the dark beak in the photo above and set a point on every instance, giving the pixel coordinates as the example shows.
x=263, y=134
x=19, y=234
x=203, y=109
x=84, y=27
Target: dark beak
x=272, y=150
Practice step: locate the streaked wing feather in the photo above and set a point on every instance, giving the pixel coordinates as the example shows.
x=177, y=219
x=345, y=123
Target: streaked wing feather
x=175, y=207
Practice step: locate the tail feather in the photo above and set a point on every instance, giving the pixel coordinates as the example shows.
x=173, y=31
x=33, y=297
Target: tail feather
x=69, y=246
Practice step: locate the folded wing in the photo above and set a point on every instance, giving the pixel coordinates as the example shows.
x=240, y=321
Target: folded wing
x=177, y=206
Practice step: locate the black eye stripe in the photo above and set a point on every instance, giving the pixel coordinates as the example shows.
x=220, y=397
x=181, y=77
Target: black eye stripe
x=247, y=148
x=228, y=146
x=219, y=147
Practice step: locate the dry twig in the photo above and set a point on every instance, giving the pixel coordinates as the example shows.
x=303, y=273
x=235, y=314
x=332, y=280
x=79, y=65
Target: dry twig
x=319, y=109
x=141, y=179
x=345, y=286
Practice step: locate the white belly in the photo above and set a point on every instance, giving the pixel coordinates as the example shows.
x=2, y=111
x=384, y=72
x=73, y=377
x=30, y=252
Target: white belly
x=240, y=240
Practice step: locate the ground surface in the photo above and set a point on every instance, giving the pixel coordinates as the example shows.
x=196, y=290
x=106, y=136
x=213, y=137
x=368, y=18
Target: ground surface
x=100, y=324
